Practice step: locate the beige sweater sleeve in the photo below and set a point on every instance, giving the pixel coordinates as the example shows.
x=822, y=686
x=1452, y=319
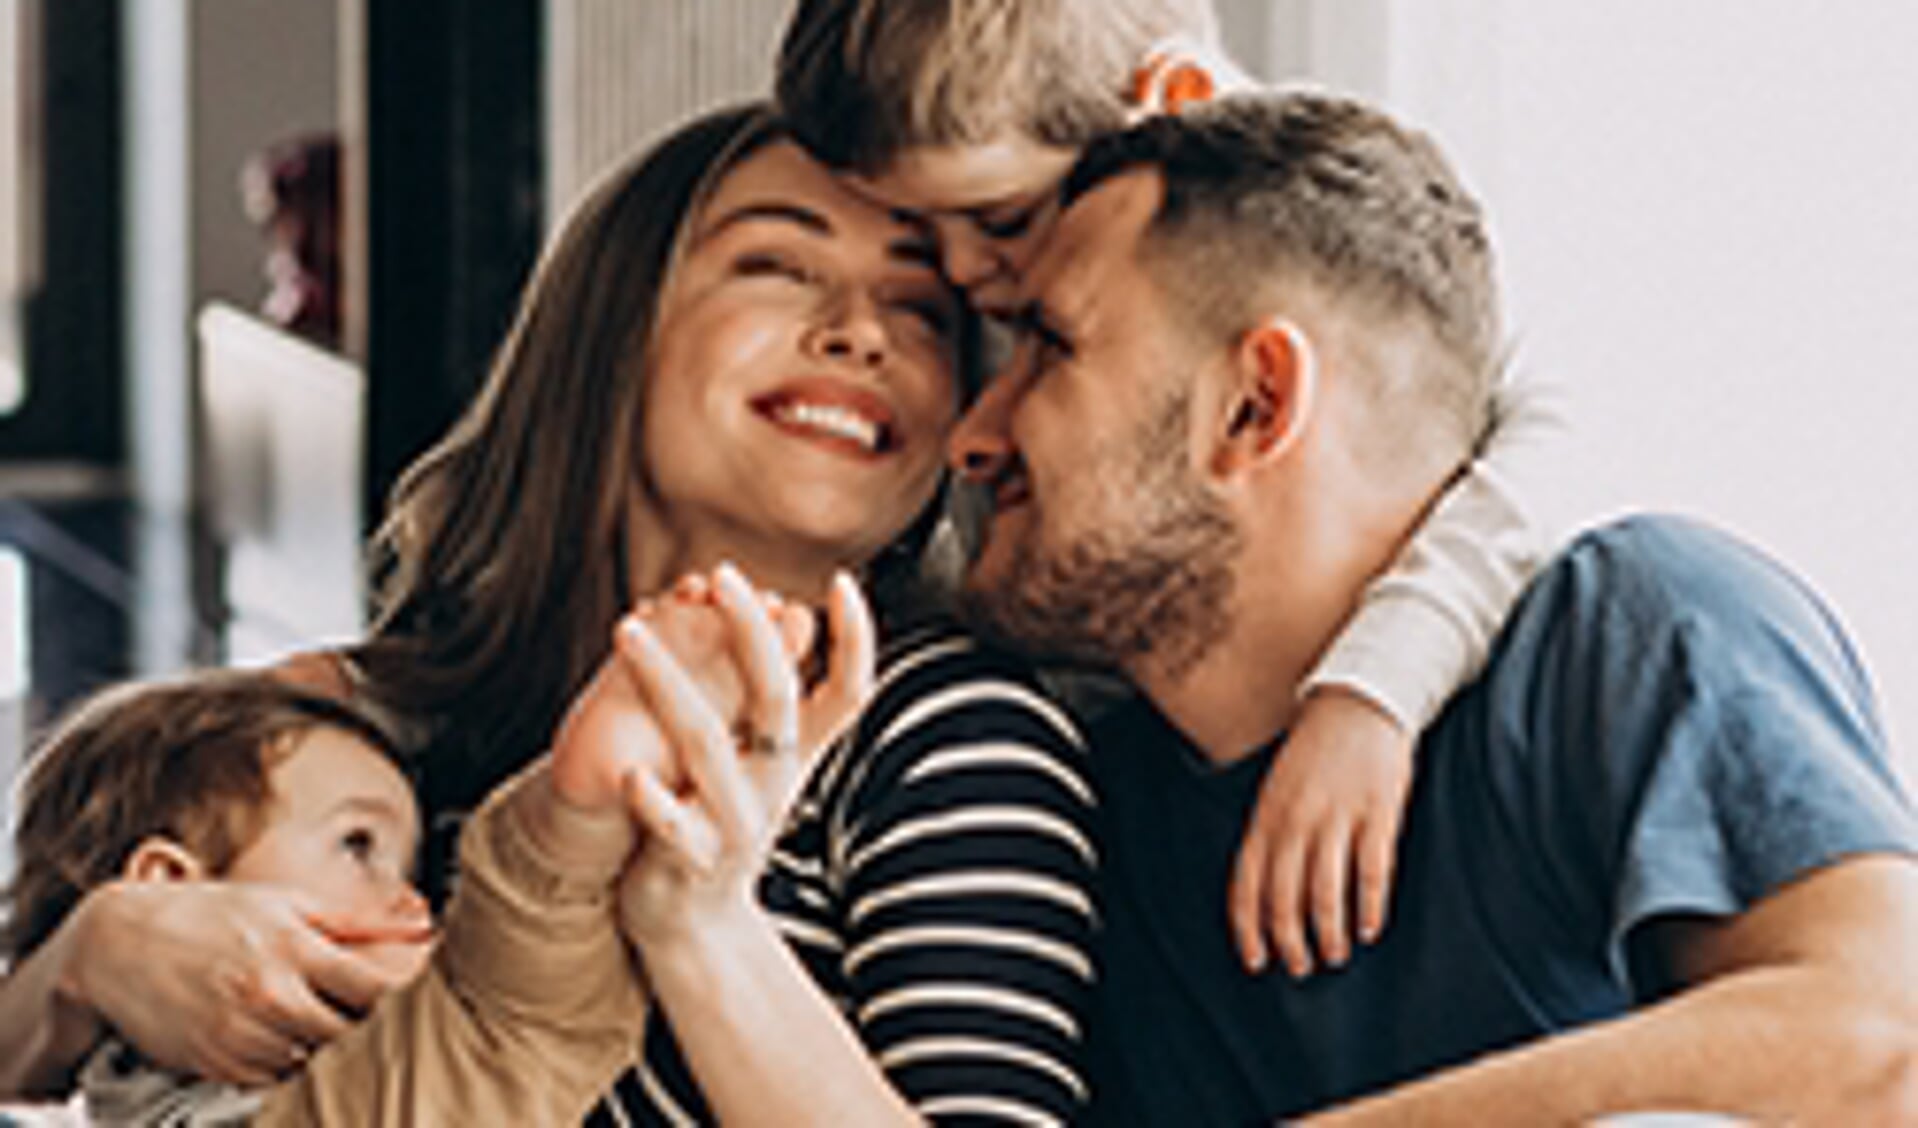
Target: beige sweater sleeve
x=529, y=1010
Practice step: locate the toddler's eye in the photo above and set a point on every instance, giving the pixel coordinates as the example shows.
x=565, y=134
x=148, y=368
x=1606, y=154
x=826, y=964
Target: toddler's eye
x=1009, y=226
x=360, y=842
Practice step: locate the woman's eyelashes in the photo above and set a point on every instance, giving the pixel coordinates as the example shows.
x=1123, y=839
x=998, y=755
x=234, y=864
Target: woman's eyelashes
x=761, y=264
x=933, y=309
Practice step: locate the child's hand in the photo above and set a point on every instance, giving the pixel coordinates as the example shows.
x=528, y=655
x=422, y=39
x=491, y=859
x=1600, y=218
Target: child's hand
x=1331, y=805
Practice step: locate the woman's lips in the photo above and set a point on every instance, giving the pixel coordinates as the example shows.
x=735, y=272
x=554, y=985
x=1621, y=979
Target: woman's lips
x=836, y=415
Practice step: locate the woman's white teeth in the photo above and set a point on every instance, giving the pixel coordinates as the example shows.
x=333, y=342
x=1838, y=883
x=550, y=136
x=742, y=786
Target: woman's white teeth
x=839, y=422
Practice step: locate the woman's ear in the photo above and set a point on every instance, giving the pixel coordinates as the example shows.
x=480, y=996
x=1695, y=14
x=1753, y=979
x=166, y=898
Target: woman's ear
x=1272, y=385
x=162, y=859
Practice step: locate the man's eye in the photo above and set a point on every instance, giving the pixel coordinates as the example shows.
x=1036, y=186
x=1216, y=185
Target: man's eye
x=1050, y=343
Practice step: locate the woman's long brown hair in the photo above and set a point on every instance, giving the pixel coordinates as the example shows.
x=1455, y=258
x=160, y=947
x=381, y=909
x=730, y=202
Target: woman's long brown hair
x=500, y=567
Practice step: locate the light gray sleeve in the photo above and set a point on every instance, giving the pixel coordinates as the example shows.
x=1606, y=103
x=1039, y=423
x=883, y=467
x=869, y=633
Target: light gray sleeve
x=1424, y=628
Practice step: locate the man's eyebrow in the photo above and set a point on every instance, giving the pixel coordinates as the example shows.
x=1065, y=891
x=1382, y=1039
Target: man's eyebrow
x=774, y=210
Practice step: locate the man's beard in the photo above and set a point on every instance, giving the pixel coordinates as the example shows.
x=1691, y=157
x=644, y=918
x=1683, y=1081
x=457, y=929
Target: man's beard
x=1149, y=589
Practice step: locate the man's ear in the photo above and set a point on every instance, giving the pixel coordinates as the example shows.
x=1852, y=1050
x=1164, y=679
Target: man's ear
x=1272, y=385
x=162, y=859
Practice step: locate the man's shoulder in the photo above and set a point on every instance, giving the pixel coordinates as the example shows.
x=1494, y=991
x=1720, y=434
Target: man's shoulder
x=1659, y=593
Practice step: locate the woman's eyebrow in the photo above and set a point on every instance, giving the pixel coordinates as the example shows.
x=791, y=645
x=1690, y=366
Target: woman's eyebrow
x=776, y=211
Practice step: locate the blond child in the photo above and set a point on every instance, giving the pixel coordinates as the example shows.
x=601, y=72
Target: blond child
x=968, y=113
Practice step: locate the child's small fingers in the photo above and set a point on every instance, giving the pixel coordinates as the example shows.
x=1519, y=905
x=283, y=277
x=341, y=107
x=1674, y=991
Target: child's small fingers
x=1246, y=902
x=1331, y=893
x=1378, y=853
x=693, y=587
x=1285, y=904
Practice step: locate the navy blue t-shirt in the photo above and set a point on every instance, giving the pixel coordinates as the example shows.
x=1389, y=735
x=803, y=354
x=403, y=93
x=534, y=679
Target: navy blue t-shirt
x=1669, y=724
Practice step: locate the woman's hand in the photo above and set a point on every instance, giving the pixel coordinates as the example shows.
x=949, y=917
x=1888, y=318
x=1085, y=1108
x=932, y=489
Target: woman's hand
x=707, y=843
x=228, y=980
x=609, y=734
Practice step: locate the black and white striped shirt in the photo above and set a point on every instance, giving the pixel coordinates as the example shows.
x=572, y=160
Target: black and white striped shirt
x=936, y=878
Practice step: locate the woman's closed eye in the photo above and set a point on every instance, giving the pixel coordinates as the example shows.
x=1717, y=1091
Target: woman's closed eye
x=762, y=264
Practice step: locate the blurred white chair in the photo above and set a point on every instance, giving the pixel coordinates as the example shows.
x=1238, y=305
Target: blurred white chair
x=284, y=434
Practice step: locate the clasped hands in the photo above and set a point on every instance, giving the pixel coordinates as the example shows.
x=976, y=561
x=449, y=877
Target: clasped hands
x=698, y=731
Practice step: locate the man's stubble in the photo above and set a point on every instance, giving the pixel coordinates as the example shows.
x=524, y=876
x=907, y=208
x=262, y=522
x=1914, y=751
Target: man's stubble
x=1149, y=588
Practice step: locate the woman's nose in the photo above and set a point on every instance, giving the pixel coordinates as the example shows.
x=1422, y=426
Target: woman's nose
x=848, y=331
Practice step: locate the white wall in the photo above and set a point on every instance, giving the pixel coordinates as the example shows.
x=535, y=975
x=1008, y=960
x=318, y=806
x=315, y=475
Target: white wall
x=619, y=74
x=262, y=71
x=1709, y=235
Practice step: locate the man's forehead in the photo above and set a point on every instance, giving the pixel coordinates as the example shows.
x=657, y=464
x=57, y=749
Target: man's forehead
x=1102, y=225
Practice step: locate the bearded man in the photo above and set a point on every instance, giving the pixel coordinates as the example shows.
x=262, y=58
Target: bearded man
x=1655, y=857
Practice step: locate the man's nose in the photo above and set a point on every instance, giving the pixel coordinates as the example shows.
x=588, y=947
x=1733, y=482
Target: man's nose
x=980, y=446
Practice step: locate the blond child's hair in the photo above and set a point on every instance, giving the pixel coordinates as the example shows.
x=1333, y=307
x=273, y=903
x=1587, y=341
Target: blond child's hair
x=185, y=759
x=864, y=80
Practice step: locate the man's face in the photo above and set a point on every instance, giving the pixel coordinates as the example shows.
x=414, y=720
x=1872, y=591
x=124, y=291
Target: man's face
x=989, y=205
x=1106, y=543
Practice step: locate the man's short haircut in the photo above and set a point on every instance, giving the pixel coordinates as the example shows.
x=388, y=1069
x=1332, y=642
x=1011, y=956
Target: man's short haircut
x=1303, y=188
x=864, y=80
x=185, y=759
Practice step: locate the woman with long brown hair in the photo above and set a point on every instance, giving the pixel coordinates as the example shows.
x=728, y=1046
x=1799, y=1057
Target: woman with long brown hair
x=725, y=358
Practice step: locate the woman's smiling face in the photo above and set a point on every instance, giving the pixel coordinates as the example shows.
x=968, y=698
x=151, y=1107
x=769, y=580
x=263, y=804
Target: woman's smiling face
x=801, y=378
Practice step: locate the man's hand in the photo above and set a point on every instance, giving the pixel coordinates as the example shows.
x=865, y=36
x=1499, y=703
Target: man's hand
x=1330, y=809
